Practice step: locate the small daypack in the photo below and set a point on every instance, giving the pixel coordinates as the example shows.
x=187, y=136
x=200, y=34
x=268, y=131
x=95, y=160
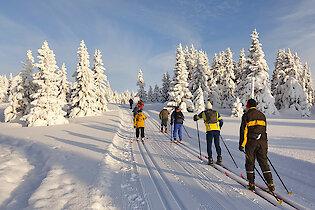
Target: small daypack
x=178, y=115
x=211, y=116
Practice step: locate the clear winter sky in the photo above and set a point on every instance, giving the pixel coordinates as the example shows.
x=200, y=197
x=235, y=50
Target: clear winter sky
x=134, y=34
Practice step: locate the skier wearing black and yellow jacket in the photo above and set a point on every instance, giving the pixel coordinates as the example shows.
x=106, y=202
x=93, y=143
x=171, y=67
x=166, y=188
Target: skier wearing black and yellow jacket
x=253, y=137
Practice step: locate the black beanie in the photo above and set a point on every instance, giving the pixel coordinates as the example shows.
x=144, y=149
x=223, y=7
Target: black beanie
x=251, y=103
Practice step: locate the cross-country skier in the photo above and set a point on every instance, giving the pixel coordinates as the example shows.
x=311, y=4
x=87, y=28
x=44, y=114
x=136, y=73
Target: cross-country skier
x=253, y=137
x=213, y=122
x=164, y=118
x=130, y=102
x=140, y=104
x=139, y=124
x=177, y=118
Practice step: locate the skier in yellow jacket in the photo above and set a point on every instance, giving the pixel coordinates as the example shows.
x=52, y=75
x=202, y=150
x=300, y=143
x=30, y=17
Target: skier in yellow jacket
x=139, y=124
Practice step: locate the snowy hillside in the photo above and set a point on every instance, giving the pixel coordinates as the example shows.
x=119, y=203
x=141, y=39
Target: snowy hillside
x=95, y=163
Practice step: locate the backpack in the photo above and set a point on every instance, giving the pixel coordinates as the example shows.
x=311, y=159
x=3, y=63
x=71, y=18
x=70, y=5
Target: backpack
x=211, y=116
x=178, y=116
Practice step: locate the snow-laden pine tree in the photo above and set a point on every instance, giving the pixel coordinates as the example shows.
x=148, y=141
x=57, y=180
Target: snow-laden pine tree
x=156, y=94
x=290, y=92
x=257, y=68
x=4, y=85
x=64, y=85
x=278, y=74
x=237, y=109
x=198, y=100
x=109, y=93
x=117, y=97
x=46, y=104
x=165, y=87
x=83, y=95
x=179, y=93
x=15, y=98
x=100, y=82
x=150, y=94
x=214, y=91
x=200, y=75
x=125, y=96
x=309, y=85
x=241, y=64
x=142, y=94
x=20, y=99
x=227, y=81
x=191, y=62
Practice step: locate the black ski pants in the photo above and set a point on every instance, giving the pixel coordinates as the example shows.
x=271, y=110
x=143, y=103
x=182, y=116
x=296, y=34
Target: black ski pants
x=257, y=149
x=138, y=130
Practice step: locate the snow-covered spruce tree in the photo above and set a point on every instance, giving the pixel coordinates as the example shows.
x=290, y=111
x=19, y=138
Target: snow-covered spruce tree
x=257, y=67
x=227, y=83
x=15, y=98
x=46, y=104
x=142, y=94
x=191, y=62
x=218, y=67
x=309, y=85
x=64, y=85
x=125, y=96
x=198, y=100
x=100, y=82
x=179, y=93
x=109, y=93
x=117, y=97
x=290, y=92
x=237, y=109
x=200, y=75
x=156, y=94
x=278, y=73
x=214, y=91
x=165, y=87
x=20, y=99
x=150, y=94
x=239, y=71
x=4, y=85
x=84, y=95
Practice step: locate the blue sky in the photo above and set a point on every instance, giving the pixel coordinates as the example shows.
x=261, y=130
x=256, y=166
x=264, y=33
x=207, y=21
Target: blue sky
x=134, y=34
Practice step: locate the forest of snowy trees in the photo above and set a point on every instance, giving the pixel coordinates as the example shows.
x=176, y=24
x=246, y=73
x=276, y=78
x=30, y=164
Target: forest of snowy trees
x=40, y=94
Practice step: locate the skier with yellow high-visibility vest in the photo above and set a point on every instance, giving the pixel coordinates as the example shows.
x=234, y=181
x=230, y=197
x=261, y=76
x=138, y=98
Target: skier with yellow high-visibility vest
x=213, y=122
x=253, y=137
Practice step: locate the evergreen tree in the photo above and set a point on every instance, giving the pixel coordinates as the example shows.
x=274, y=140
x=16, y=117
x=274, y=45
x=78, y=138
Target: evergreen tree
x=309, y=86
x=198, y=100
x=20, y=99
x=15, y=98
x=227, y=83
x=165, y=87
x=150, y=94
x=200, y=75
x=257, y=68
x=214, y=91
x=100, y=82
x=239, y=71
x=4, y=84
x=179, y=93
x=109, y=93
x=84, y=95
x=46, y=105
x=156, y=94
x=142, y=94
x=191, y=57
x=237, y=109
x=278, y=74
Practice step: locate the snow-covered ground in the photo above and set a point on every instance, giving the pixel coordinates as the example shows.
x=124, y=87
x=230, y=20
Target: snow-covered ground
x=95, y=163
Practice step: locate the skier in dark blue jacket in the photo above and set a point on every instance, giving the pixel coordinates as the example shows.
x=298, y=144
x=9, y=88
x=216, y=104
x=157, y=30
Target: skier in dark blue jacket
x=177, y=118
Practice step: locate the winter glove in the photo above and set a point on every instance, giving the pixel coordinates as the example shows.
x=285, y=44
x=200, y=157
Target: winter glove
x=241, y=148
x=134, y=126
x=195, y=117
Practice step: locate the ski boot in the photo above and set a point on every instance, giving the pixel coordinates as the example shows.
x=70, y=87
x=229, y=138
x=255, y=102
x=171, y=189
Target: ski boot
x=271, y=187
x=210, y=161
x=162, y=129
x=175, y=141
x=165, y=130
x=142, y=139
x=219, y=160
x=251, y=186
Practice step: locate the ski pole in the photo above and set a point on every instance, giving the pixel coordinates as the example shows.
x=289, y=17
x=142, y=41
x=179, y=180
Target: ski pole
x=279, y=176
x=198, y=140
x=279, y=201
x=186, y=131
x=171, y=132
x=229, y=151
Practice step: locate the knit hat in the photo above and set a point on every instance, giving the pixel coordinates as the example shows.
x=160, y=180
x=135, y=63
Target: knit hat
x=251, y=103
x=209, y=105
